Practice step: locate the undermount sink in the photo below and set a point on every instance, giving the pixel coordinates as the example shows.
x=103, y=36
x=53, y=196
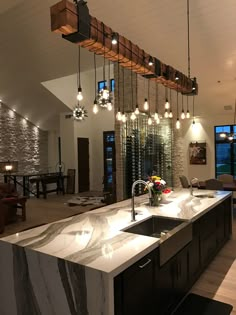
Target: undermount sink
x=155, y=226
x=173, y=233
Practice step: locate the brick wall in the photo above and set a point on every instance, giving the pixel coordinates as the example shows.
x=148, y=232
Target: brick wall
x=21, y=141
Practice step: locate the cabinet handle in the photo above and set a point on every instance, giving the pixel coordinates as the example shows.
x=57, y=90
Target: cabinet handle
x=146, y=263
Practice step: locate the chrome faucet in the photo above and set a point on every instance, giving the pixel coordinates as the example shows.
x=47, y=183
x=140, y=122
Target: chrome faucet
x=194, y=180
x=139, y=181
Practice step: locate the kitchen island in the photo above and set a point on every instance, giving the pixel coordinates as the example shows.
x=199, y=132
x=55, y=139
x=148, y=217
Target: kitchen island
x=89, y=264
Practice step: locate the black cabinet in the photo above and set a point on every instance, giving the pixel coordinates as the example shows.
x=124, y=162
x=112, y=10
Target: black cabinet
x=134, y=288
x=194, y=266
x=150, y=288
x=171, y=281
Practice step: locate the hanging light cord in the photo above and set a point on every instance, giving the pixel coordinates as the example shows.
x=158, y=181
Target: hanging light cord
x=118, y=75
x=95, y=76
x=188, y=39
x=177, y=103
x=131, y=78
x=149, y=111
x=78, y=74
x=123, y=90
x=157, y=95
x=193, y=106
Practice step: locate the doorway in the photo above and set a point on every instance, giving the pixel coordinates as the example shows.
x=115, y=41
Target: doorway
x=83, y=164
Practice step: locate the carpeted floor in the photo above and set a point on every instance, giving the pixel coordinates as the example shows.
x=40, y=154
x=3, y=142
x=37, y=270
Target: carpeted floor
x=42, y=211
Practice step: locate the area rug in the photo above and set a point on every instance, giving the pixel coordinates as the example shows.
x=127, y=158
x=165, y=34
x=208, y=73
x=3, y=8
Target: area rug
x=195, y=304
x=85, y=201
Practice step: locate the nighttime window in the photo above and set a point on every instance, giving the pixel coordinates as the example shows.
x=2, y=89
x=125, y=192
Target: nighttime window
x=225, y=150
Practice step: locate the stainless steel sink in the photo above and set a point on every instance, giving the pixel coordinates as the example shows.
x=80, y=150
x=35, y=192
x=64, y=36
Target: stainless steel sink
x=155, y=226
x=173, y=233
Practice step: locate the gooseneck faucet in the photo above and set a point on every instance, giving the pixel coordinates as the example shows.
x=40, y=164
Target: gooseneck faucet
x=194, y=180
x=139, y=181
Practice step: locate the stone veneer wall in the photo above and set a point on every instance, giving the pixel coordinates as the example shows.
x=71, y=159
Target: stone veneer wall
x=173, y=138
x=22, y=141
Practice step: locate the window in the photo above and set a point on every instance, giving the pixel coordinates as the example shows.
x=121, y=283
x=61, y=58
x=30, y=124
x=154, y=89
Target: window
x=225, y=151
x=102, y=83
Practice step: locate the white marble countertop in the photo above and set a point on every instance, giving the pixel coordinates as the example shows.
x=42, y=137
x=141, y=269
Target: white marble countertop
x=95, y=239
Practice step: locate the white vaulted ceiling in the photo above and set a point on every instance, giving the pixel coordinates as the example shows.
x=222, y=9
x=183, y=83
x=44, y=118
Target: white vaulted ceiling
x=30, y=54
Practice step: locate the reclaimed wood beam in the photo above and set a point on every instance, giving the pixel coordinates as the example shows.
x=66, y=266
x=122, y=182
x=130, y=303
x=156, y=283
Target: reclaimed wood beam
x=76, y=25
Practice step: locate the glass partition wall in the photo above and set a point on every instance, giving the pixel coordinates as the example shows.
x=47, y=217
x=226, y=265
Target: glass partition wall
x=146, y=151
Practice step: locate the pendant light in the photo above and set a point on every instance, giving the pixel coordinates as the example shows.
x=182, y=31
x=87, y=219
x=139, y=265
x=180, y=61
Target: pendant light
x=187, y=113
x=119, y=114
x=95, y=104
x=109, y=104
x=79, y=95
x=177, y=120
x=170, y=112
x=167, y=104
x=136, y=92
x=182, y=113
x=156, y=115
x=193, y=122
x=145, y=104
x=124, y=118
x=104, y=95
x=149, y=111
x=133, y=116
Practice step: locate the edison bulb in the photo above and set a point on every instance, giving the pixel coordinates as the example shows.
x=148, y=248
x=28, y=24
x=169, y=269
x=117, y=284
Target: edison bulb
x=79, y=95
x=149, y=121
x=166, y=115
x=109, y=106
x=188, y=114
x=223, y=135
x=167, y=104
x=133, y=116
x=158, y=120
x=156, y=116
x=136, y=110
x=105, y=93
x=95, y=108
x=177, y=123
x=145, y=105
x=124, y=118
x=182, y=115
x=170, y=114
x=119, y=116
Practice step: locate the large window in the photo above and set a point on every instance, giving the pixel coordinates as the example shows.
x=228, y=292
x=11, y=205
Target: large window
x=225, y=150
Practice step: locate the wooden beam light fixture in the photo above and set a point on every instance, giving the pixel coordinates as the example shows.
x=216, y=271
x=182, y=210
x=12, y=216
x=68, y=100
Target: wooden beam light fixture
x=75, y=24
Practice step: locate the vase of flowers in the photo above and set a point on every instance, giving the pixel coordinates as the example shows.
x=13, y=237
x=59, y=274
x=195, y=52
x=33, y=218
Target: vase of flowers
x=158, y=188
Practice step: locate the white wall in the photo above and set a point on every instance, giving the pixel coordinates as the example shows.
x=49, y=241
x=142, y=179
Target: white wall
x=53, y=155
x=204, y=131
x=92, y=127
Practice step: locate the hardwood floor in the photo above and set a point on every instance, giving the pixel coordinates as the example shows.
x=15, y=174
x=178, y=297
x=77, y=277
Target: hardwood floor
x=42, y=211
x=219, y=279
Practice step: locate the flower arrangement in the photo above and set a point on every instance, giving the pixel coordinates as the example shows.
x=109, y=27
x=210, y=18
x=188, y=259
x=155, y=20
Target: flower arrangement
x=158, y=187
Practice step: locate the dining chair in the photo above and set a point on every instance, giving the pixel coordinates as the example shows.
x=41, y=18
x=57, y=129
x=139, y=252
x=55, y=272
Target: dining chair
x=184, y=181
x=226, y=178
x=214, y=184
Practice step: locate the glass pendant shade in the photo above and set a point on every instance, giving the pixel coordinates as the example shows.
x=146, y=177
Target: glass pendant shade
x=166, y=115
x=158, y=120
x=145, y=105
x=188, y=114
x=170, y=114
x=156, y=116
